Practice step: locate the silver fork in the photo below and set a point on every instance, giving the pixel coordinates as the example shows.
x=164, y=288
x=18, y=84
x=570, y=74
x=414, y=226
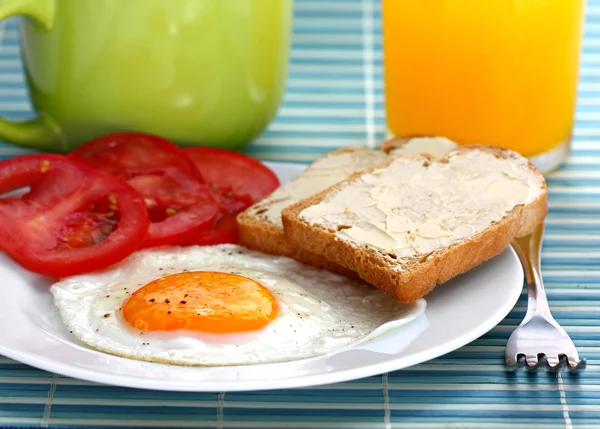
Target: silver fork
x=539, y=340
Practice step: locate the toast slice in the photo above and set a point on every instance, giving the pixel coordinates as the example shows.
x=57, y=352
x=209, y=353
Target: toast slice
x=260, y=226
x=417, y=221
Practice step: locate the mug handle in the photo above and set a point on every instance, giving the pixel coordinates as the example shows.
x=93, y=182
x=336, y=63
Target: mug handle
x=41, y=132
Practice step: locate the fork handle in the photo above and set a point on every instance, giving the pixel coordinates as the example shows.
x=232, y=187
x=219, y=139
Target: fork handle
x=529, y=250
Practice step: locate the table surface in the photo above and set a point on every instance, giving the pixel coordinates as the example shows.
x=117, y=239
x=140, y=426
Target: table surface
x=334, y=98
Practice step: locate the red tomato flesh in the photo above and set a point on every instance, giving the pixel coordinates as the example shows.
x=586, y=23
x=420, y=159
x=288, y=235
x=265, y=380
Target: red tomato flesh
x=74, y=219
x=179, y=203
x=224, y=230
x=238, y=177
x=240, y=180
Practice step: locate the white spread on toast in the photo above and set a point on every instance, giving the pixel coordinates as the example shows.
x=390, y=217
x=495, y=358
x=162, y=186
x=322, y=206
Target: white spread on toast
x=320, y=175
x=414, y=207
x=331, y=169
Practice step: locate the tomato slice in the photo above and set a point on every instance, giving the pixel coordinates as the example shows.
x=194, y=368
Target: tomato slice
x=241, y=179
x=74, y=219
x=179, y=203
x=129, y=154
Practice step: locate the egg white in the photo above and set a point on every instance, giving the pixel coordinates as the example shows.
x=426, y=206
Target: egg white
x=319, y=312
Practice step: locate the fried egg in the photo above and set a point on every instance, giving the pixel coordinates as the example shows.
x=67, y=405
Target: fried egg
x=223, y=305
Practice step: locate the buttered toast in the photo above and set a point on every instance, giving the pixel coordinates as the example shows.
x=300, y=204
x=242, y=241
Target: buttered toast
x=260, y=226
x=416, y=221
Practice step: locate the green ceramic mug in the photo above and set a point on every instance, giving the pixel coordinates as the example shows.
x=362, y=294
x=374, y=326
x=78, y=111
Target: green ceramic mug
x=197, y=72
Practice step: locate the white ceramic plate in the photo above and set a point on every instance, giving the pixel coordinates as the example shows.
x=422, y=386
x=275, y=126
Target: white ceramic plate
x=457, y=313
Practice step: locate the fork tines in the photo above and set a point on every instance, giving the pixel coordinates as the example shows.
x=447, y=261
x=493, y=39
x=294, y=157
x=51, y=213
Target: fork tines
x=553, y=364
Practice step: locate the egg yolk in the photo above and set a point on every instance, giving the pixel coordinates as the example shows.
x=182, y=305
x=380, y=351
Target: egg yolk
x=201, y=301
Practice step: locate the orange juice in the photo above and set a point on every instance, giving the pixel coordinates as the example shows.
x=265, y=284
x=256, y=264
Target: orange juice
x=500, y=72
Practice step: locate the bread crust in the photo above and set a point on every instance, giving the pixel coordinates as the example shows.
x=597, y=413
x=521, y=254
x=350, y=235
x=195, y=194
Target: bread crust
x=426, y=271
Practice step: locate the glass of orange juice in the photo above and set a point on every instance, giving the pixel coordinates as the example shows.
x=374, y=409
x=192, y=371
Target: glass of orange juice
x=501, y=72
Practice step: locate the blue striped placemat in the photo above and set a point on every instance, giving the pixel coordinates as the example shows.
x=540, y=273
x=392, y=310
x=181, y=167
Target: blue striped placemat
x=334, y=98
